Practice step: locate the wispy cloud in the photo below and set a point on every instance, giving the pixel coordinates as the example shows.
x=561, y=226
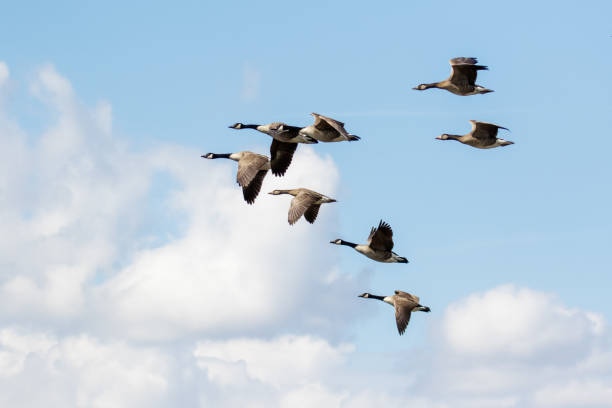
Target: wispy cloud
x=251, y=80
x=4, y=73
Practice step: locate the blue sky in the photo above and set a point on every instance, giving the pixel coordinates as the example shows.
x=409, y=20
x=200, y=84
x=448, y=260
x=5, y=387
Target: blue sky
x=534, y=215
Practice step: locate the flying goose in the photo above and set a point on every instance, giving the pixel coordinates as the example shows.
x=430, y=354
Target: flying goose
x=284, y=143
x=305, y=202
x=404, y=304
x=482, y=136
x=252, y=169
x=462, y=80
x=327, y=129
x=379, y=246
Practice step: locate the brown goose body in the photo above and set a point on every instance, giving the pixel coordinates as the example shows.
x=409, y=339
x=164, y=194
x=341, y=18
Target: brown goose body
x=462, y=80
x=305, y=202
x=404, y=304
x=379, y=245
x=482, y=136
x=285, y=140
x=252, y=168
x=327, y=130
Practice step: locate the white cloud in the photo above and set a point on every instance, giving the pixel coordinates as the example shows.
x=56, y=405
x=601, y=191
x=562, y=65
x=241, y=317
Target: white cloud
x=78, y=371
x=520, y=323
x=576, y=393
x=78, y=204
x=69, y=196
x=312, y=395
x=235, y=264
x=279, y=362
x=511, y=345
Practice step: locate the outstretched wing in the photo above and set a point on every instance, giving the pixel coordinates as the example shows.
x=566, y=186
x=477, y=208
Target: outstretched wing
x=251, y=191
x=248, y=166
x=403, y=310
x=324, y=123
x=485, y=131
x=464, y=71
x=300, y=204
x=281, y=154
x=381, y=238
x=407, y=295
x=312, y=212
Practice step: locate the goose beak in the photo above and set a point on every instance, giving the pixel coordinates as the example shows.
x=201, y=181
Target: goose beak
x=332, y=200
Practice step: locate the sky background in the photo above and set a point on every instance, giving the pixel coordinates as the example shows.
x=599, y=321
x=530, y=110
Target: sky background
x=133, y=274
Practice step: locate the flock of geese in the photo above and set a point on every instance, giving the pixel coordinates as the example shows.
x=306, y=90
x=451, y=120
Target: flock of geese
x=253, y=167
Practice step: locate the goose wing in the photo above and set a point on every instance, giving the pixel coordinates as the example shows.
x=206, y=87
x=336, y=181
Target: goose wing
x=312, y=212
x=283, y=131
x=251, y=191
x=485, y=131
x=248, y=166
x=300, y=204
x=407, y=295
x=281, y=154
x=381, y=238
x=464, y=71
x=403, y=310
x=324, y=123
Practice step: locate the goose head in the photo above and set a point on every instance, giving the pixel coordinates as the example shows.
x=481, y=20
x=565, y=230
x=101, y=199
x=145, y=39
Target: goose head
x=208, y=156
x=443, y=136
x=365, y=295
x=236, y=126
x=337, y=242
x=422, y=87
x=276, y=192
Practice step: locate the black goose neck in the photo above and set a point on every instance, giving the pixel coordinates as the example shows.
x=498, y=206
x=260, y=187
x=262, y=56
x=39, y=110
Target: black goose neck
x=350, y=244
x=376, y=297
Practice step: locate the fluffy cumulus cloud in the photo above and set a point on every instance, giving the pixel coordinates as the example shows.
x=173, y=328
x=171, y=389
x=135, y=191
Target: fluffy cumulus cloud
x=77, y=197
x=141, y=278
x=512, y=346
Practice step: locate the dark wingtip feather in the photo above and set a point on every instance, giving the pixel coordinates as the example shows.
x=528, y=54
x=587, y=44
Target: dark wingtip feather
x=383, y=224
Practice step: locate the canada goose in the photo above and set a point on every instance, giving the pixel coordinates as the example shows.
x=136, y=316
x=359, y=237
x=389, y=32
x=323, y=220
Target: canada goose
x=327, y=129
x=305, y=202
x=284, y=143
x=462, y=79
x=482, y=136
x=252, y=169
x=379, y=246
x=404, y=304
